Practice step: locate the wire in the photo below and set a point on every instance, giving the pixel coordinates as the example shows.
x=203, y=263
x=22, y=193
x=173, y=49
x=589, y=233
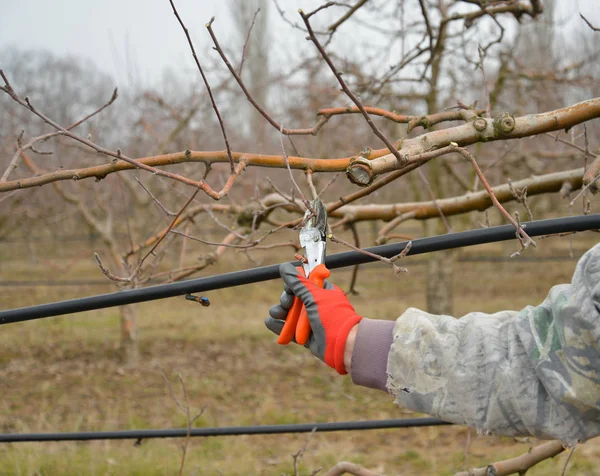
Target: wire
x=265, y=273
x=226, y=431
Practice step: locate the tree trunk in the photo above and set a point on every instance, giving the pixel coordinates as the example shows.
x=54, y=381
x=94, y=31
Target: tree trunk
x=440, y=288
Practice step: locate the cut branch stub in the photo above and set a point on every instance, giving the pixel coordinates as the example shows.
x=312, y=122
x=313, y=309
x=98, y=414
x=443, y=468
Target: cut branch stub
x=360, y=172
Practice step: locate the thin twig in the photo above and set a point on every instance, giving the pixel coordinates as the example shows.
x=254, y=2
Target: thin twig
x=523, y=237
x=26, y=103
x=112, y=99
x=13, y=163
x=156, y=200
x=137, y=270
x=277, y=190
x=433, y=199
x=382, y=236
x=208, y=89
x=247, y=42
x=185, y=409
x=428, y=27
x=594, y=28
x=564, y=471
x=312, y=131
x=569, y=143
x=328, y=184
x=484, y=78
x=346, y=15
x=287, y=163
x=221, y=224
x=311, y=185
x=586, y=155
x=8, y=195
x=298, y=455
x=391, y=261
x=250, y=244
x=356, y=236
x=521, y=197
x=466, y=452
x=350, y=94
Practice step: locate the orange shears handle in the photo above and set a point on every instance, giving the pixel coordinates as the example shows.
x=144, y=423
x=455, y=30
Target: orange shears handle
x=297, y=323
x=289, y=328
x=317, y=276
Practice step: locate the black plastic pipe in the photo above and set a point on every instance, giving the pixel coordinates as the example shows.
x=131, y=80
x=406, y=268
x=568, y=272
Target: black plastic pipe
x=226, y=431
x=265, y=273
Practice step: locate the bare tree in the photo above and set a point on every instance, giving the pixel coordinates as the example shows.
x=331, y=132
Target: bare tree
x=425, y=119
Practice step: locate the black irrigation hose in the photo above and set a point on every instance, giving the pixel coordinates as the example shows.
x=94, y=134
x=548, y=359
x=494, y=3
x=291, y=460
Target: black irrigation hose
x=265, y=273
x=425, y=245
x=226, y=431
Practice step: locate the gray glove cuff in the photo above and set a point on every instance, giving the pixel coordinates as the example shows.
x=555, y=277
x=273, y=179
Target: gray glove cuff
x=370, y=355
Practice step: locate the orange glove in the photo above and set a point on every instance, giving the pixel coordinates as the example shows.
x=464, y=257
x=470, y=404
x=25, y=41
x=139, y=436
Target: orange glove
x=330, y=314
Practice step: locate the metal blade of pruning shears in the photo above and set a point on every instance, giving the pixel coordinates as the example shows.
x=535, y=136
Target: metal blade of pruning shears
x=313, y=236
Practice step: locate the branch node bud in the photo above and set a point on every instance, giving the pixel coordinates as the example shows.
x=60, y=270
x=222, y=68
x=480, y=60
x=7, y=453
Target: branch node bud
x=365, y=152
x=504, y=123
x=480, y=124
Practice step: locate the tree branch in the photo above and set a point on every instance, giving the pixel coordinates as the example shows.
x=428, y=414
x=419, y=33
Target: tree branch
x=502, y=127
x=520, y=464
x=26, y=103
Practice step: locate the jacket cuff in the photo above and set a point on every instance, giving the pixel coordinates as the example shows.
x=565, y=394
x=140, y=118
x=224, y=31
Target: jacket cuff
x=370, y=355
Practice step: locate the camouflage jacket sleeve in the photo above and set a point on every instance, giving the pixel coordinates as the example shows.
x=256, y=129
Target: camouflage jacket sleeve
x=533, y=372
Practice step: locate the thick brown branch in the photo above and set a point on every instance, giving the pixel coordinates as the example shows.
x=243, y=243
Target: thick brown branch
x=209, y=157
x=502, y=127
x=477, y=201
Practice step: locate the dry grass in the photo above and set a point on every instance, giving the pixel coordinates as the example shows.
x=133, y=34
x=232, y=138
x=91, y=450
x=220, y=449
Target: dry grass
x=63, y=374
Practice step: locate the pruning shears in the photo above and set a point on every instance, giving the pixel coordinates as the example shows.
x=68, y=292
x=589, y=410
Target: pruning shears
x=313, y=238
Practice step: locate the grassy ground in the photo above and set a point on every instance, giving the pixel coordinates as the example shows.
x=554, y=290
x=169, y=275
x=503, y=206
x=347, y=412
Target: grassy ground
x=64, y=374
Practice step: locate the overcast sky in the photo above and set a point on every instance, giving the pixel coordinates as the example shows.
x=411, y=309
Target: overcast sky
x=114, y=33
x=144, y=34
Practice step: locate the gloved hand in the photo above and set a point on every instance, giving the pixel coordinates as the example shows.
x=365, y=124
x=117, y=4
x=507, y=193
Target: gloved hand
x=330, y=314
